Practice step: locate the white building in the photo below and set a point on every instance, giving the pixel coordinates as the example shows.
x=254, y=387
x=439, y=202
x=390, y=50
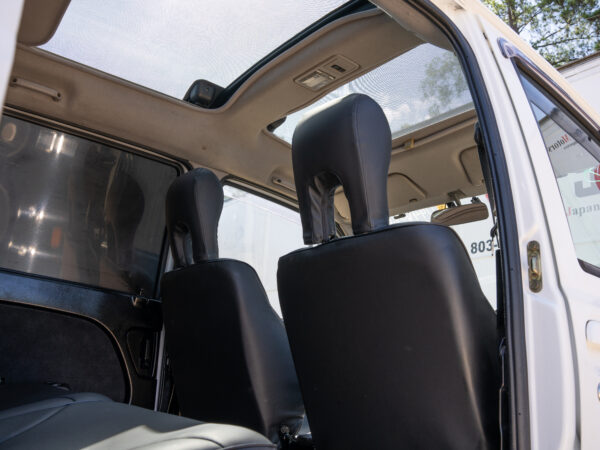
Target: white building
x=584, y=75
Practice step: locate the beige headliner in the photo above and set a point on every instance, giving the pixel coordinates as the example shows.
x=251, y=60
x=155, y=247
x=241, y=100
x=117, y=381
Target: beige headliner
x=232, y=139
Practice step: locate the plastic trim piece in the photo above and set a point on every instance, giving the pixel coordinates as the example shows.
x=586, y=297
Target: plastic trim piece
x=36, y=87
x=526, y=65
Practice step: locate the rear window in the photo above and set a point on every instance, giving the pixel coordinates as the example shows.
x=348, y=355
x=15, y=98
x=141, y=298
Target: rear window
x=77, y=210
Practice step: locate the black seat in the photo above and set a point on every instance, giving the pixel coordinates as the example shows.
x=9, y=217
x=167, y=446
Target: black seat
x=393, y=340
x=230, y=354
x=73, y=421
x=18, y=394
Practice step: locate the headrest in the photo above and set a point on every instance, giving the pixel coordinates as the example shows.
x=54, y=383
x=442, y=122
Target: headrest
x=194, y=205
x=346, y=142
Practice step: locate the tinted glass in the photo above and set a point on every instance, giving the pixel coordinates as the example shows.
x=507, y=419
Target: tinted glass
x=575, y=159
x=80, y=211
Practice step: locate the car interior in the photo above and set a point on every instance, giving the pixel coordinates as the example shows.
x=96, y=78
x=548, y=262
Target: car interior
x=287, y=242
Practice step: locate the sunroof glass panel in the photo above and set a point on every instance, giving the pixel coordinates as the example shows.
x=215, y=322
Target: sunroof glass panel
x=166, y=45
x=420, y=87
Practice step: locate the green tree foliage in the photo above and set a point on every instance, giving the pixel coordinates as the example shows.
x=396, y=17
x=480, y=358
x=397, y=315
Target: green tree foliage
x=444, y=81
x=560, y=30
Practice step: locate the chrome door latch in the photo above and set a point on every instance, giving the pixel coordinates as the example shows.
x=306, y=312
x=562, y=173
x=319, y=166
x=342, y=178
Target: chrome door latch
x=534, y=264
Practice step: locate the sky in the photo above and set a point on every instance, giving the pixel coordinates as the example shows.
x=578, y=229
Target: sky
x=166, y=44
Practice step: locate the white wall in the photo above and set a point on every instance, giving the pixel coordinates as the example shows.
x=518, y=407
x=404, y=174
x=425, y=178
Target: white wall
x=585, y=78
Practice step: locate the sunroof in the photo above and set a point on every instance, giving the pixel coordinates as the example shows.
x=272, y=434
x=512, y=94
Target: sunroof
x=167, y=45
x=422, y=86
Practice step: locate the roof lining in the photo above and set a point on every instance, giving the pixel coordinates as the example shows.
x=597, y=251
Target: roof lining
x=231, y=138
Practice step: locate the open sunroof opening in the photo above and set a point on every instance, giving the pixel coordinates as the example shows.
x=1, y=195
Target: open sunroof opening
x=418, y=88
x=165, y=46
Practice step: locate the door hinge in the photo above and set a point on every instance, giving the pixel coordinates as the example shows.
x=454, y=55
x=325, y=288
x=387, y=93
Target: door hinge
x=534, y=266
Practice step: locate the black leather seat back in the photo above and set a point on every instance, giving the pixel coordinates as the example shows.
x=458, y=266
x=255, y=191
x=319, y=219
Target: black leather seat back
x=230, y=354
x=393, y=340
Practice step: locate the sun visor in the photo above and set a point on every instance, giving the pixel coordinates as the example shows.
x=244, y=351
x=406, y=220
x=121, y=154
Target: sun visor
x=40, y=20
x=413, y=21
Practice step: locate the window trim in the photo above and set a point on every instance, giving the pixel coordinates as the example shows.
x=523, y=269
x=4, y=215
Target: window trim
x=563, y=115
x=116, y=142
x=261, y=191
x=589, y=268
x=523, y=64
x=180, y=167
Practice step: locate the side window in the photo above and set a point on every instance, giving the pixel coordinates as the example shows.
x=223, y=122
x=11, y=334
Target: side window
x=80, y=211
x=575, y=159
x=476, y=239
x=258, y=231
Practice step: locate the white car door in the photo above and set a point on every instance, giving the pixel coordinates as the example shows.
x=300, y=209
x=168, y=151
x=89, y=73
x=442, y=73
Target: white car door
x=10, y=18
x=559, y=197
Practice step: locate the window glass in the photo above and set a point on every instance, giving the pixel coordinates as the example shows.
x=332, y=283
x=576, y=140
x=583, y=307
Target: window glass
x=476, y=239
x=258, y=232
x=80, y=211
x=575, y=159
x=423, y=86
x=166, y=45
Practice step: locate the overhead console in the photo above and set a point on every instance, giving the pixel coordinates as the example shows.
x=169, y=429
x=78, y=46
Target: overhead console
x=335, y=68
